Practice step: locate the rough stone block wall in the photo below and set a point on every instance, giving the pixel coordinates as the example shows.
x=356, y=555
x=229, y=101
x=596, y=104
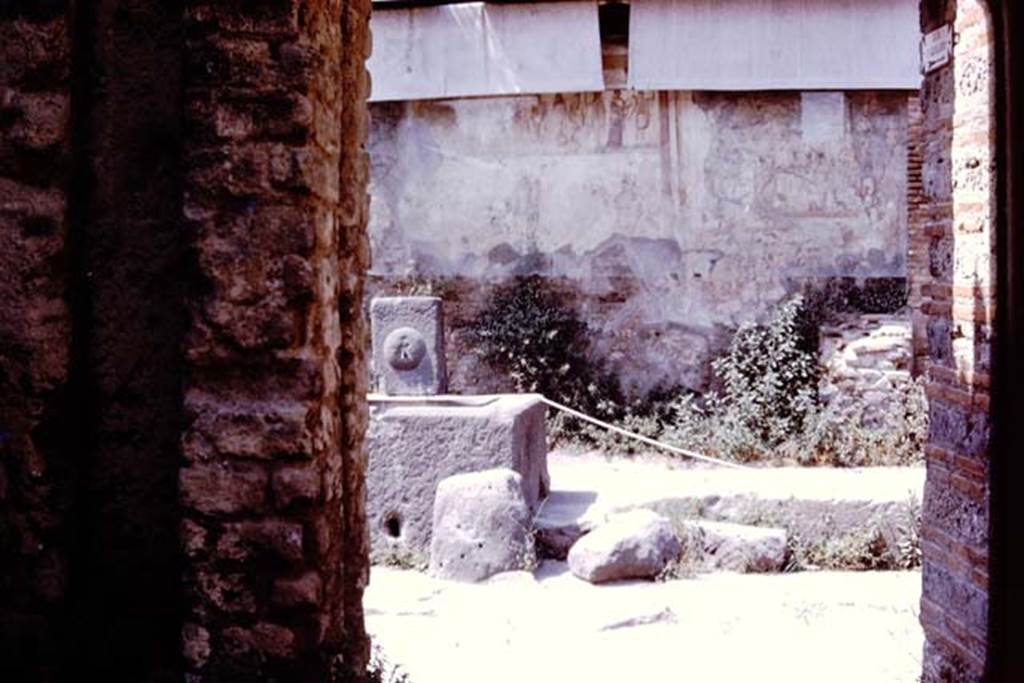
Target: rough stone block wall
x=264, y=491
x=866, y=364
x=182, y=216
x=35, y=334
x=958, y=174
x=354, y=260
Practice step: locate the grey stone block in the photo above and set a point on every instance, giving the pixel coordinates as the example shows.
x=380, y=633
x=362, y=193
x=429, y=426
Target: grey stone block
x=481, y=526
x=408, y=345
x=415, y=443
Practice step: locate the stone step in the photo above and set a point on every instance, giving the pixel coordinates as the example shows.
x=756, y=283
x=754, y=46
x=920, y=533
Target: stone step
x=814, y=504
x=723, y=546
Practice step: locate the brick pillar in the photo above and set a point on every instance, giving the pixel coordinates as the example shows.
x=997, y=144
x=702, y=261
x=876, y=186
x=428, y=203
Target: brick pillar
x=35, y=330
x=918, y=273
x=958, y=177
x=269, y=498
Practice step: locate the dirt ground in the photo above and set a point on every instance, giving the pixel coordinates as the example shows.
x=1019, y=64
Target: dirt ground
x=551, y=626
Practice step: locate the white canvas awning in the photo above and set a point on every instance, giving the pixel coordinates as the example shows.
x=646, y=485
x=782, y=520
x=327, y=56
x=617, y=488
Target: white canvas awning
x=480, y=49
x=774, y=44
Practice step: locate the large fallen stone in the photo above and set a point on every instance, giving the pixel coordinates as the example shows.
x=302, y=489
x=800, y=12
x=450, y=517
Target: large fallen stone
x=638, y=544
x=481, y=526
x=737, y=547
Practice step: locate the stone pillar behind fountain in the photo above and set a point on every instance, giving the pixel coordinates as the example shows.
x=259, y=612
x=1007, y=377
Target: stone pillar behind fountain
x=408, y=345
x=418, y=436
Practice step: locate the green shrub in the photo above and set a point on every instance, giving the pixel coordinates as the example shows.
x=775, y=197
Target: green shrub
x=528, y=333
x=767, y=408
x=768, y=378
x=769, y=375
x=532, y=335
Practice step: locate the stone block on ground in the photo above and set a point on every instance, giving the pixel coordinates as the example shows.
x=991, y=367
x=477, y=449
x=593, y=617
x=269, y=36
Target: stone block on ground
x=638, y=544
x=736, y=547
x=481, y=526
x=408, y=345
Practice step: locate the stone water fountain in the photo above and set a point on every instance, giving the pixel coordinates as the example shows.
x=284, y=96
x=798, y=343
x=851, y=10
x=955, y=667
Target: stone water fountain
x=418, y=434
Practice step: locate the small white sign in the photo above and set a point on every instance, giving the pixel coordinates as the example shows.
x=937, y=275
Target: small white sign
x=936, y=49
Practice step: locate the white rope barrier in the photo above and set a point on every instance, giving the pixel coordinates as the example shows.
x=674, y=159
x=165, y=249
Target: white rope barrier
x=639, y=437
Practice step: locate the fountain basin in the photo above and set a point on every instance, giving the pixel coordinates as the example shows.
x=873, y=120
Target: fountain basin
x=413, y=442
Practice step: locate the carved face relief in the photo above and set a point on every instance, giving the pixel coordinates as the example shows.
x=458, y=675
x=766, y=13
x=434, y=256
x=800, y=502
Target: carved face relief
x=404, y=349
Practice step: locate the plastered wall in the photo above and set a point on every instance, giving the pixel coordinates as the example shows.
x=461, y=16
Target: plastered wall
x=673, y=215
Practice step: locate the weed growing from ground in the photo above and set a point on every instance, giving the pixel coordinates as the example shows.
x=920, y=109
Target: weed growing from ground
x=876, y=546
x=381, y=670
x=531, y=334
x=401, y=558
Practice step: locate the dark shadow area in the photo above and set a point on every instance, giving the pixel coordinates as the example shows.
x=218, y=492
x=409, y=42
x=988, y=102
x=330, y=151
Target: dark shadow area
x=1006, y=657
x=127, y=302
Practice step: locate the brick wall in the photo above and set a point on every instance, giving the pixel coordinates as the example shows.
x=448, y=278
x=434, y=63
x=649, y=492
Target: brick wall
x=958, y=175
x=35, y=327
x=918, y=270
x=264, y=490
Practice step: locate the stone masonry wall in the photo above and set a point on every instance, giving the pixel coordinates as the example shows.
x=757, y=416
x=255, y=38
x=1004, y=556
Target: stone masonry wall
x=958, y=174
x=35, y=334
x=354, y=260
x=182, y=354
x=264, y=488
x=866, y=364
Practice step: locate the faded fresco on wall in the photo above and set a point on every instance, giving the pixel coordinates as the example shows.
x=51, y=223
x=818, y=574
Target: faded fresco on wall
x=674, y=216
